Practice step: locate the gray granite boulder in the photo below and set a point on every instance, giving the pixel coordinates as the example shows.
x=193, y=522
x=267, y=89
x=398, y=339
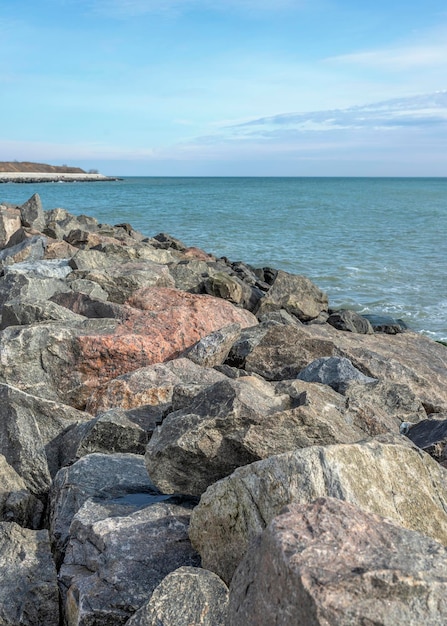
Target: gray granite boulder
x=120, y=281
x=26, y=286
x=28, y=590
x=236, y=422
x=389, y=478
x=213, y=349
x=406, y=358
x=9, y=223
x=328, y=562
x=29, y=250
x=248, y=339
x=112, y=565
x=24, y=312
x=283, y=351
x=29, y=431
x=154, y=385
x=17, y=504
x=108, y=433
x=41, y=359
x=383, y=405
x=297, y=294
x=350, y=321
x=188, y=595
x=32, y=214
x=337, y=372
x=104, y=476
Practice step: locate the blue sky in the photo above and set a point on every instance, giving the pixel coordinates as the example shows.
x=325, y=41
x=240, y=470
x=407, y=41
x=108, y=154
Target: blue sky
x=236, y=87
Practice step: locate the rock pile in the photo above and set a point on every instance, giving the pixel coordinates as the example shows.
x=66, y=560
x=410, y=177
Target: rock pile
x=190, y=440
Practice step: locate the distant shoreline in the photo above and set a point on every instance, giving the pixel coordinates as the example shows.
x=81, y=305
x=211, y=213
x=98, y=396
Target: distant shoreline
x=52, y=177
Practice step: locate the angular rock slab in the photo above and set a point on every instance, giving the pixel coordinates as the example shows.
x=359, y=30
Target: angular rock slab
x=284, y=351
x=331, y=563
x=28, y=589
x=108, y=433
x=337, y=372
x=236, y=422
x=97, y=475
x=189, y=595
x=391, y=479
x=213, y=349
x=205, y=442
x=296, y=294
x=9, y=223
x=431, y=436
x=17, y=504
x=152, y=385
x=32, y=213
x=112, y=566
x=407, y=358
x=29, y=431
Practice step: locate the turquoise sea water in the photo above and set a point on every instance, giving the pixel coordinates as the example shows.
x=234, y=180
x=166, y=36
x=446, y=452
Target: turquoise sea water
x=377, y=245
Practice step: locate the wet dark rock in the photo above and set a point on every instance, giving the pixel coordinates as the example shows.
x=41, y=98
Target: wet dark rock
x=385, y=324
x=431, y=436
x=350, y=321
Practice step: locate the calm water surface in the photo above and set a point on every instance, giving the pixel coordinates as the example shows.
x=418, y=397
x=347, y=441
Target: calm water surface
x=377, y=245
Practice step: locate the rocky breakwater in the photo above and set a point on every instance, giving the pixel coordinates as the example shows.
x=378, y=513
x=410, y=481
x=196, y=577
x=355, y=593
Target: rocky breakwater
x=190, y=440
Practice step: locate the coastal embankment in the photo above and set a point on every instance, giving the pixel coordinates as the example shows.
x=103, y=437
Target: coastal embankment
x=27, y=172
x=185, y=439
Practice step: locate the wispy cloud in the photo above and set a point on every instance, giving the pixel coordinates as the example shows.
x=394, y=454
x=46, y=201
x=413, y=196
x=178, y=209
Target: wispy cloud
x=401, y=58
x=417, y=111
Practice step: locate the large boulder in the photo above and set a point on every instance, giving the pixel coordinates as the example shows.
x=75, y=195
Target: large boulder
x=188, y=595
x=431, y=436
x=406, y=358
x=153, y=385
x=237, y=422
x=29, y=431
x=28, y=590
x=297, y=294
x=29, y=250
x=108, y=433
x=337, y=372
x=32, y=213
x=284, y=351
x=121, y=281
x=46, y=359
x=390, y=479
x=350, y=321
x=104, y=476
x=330, y=563
x=213, y=349
x=28, y=285
x=112, y=565
x=9, y=223
x=17, y=504
x=67, y=361
x=25, y=312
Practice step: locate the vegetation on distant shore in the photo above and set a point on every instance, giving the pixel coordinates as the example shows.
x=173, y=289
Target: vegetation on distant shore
x=27, y=166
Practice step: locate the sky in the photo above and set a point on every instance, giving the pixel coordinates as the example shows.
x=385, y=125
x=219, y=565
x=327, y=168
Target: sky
x=226, y=88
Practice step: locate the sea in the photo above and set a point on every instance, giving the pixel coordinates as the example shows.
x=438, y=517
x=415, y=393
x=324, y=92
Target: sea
x=375, y=245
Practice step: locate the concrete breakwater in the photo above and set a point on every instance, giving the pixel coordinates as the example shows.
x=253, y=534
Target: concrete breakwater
x=188, y=439
x=52, y=177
